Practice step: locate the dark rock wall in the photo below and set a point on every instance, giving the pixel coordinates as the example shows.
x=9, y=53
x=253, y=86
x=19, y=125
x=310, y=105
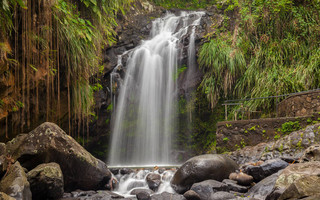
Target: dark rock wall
x=133, y=28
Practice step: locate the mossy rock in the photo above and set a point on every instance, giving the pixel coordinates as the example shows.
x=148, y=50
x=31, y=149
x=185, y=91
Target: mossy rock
x=49, y=143
x=15, y=183
x=46, y=181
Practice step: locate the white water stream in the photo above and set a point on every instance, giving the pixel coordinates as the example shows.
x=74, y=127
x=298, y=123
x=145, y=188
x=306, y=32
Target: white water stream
x=128, y=183
x=145, y=109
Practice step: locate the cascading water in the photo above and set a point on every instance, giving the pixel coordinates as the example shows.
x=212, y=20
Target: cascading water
x=144, y=115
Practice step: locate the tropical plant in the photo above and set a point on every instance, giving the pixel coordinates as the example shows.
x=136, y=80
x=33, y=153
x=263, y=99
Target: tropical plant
x=279, y=41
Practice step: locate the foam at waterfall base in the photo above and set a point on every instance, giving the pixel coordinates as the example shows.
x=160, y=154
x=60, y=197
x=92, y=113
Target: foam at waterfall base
x=137, y=180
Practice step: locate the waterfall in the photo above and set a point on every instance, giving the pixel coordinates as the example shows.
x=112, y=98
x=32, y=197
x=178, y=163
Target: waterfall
x=144, y=114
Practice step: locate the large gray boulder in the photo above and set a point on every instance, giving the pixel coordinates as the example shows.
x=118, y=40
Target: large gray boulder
x=312, y=153
x=167, y=196
x=206, y=189
x=46, y=181
x=49, y=143
x=264, y=188
x=266, y=169
x=15, y=183
x=297, y=181
x=303, y=187
x=200, y=168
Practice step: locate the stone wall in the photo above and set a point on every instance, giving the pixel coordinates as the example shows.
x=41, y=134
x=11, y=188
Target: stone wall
x=233, y=135
x=302, y=104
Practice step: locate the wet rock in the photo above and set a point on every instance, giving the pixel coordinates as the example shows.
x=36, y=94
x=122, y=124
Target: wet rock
x=92, y=195
x=233, y=186
x=167, y=175
x=161, y=170
x=124, y=171
x=266, y=169
x=113, y=183
x=264, y=188
x=46, y=181
x=200, y=168
x=312, y=153
x=135, y=184
x=153, y=181
x=115, y=171
x=206, y=188
x=15, y=183
x=191, y=195
x=167, y=196
x=143, y=196
x=222, y=196
x=137, y=191
x=4, y=196
x=49, y=143
x=241, y=178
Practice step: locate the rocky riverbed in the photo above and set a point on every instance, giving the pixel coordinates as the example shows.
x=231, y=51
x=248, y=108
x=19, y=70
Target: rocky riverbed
x=49, y=164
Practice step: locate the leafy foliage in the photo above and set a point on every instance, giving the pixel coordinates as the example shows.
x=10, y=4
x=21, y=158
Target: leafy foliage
x=184, y=4
x=279, y=41
x=290, y=126
x=223, y=65
x=60, y=42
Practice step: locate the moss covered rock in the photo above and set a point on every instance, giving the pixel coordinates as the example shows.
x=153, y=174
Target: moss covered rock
x=15, y=183
x=49, y=143
x=46, y=181
x=4, y=196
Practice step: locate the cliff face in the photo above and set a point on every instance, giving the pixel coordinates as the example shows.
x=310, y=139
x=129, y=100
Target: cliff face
x=24, y=87
x=132, y=29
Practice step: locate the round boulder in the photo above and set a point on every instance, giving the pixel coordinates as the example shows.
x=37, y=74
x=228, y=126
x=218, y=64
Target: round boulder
x=153, y=181
x=143, y=196
x=200, y=168
x=46, y=181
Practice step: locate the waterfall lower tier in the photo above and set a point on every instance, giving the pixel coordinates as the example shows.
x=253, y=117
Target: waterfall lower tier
x=144, y=116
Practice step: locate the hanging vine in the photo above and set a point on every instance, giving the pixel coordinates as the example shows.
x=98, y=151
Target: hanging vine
x=54, y=47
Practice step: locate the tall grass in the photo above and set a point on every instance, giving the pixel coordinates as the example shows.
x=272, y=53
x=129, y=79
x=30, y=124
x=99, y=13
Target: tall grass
x=279, y=41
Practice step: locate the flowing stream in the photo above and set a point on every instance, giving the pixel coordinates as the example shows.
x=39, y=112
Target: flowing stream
x=144, y=111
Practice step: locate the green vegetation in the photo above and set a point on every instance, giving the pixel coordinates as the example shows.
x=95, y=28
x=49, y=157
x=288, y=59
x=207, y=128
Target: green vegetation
x=273, y=49
x=184, y=4
x=180, y=70
x=58, y=45
x=290, y=126
x=197, y=124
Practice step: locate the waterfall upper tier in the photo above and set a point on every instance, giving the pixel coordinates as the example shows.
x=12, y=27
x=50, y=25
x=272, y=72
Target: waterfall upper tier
x=144, y=115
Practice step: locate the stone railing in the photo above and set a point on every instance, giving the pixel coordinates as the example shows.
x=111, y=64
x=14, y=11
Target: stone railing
x=301, y=104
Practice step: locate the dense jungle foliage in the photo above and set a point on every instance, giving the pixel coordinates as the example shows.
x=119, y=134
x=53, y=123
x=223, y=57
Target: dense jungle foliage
x=58, y=43
x=272, y=48
x=184, y=4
